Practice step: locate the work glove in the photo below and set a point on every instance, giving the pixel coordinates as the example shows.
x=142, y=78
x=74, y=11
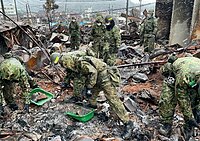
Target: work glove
x=13, y=106
x=65, y=85
x=26, y=108
x=35, y=86
x=88, y=93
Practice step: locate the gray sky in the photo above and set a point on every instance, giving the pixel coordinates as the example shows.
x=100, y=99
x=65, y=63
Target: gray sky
x=143, y=1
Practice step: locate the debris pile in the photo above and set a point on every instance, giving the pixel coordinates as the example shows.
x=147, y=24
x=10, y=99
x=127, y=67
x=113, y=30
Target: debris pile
x=139, y=91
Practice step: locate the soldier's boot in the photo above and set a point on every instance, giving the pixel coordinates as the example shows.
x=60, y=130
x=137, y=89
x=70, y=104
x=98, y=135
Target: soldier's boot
x=127, y=130
x=188, y=129
x=165, y=129
x=1, y=110
x=197, y=116
x=13, y=106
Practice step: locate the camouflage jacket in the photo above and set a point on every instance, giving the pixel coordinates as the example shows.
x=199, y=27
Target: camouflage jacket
x=186, y=70
x=148, y=26
x=74, y=29
x=114, y=39
x=98, y=32
x=75, y=54
x=11, y=69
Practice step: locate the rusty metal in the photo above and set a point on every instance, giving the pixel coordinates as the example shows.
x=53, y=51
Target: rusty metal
x=45, y=52
x=140, y=64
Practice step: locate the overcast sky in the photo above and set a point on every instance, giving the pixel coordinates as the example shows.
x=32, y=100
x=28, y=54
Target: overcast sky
x=143, y=1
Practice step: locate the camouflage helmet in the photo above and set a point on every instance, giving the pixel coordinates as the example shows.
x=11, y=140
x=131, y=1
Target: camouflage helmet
x=55, y=57
x=108, y=18
x=99, y=19
x=167, y=69
x=73, y=18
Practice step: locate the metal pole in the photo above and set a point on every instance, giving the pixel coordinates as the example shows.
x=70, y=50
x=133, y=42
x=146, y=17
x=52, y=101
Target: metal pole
x=66, y=7
x=3, y=11
x=31, y=18
x=127, y=15
x=27, y=13
x=16, y=10
x=140, y=7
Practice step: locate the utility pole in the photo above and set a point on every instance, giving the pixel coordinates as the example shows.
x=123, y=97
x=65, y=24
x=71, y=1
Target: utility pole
x=31, y=18
x=16, y=10
x=109, y=10
x=3, y=11
x=27, y=13
x=66, y=7
x=140, y=7
x=127, y=15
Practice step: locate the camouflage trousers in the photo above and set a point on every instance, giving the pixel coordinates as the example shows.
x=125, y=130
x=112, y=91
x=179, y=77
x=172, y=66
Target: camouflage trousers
x=172, y=96
x=9, y=89
x=148, y=42
x=79, y=85
x=105, y=84
x=97, y=48
x=7, y=92
x=75, y=42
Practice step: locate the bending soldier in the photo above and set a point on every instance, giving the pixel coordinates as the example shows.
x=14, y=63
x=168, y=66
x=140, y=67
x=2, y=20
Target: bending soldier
x=99, y=77
x=181, y=86
x=11, y=72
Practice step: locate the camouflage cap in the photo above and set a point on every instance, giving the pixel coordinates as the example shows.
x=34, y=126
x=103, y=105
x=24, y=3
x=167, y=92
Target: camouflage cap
x=99, y=19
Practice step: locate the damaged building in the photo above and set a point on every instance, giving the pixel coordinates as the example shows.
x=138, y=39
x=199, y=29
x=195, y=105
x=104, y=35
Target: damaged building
x=178, y=20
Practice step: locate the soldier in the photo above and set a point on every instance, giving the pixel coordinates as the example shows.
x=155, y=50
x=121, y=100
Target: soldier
x=78, y=82
x=98, y=77
x=114, y=41
x=181, y=86
x=148, y=31
x=74, y=32
x=11, y=72
x=98, y=36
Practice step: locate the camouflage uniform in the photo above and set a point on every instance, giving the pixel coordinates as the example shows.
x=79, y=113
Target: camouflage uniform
x=113, y=43
x=78, y=82
x=74, y=32
x=98, y=77
x=186, y=71
x=148, y=31
x=11, y=72
x=98, y=37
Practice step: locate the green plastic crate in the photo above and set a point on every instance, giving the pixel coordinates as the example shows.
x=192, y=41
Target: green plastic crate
x=82, y=118
x=41, y=102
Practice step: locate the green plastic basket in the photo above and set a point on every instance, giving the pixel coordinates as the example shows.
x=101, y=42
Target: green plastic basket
x=41, y=102
x=82, y=118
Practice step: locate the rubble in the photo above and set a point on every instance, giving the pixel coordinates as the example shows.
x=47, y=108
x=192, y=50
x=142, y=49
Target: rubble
x=139, y=91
